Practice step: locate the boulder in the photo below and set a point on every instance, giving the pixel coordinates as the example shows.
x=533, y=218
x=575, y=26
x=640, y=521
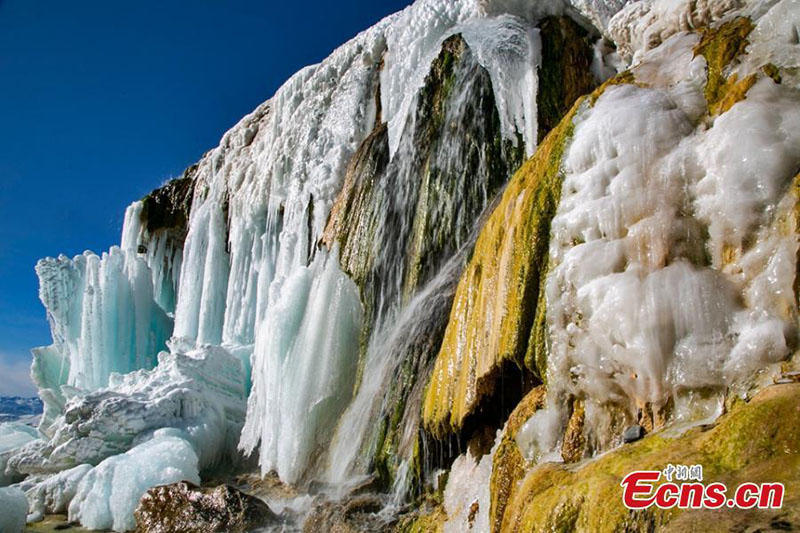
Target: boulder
x=187, y=508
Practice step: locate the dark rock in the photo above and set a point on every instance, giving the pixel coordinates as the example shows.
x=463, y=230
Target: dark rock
x=358, y=513
x=632, y=434
x=186, y=508
x=564, y=74
x=473, y=512
x=168, y=207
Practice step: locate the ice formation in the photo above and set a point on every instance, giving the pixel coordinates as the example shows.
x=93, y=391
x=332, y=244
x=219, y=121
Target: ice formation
x=13, y=436
x=15, y=509
x=201, y=392
x=52, y=494
x=660, y=209
x=107, y=495
x=304, y=197
x=229, y=319
x=249, y=278
x=644, y=25
x=103, y=319
x=466, y=495
x=307, y=351
x=774, y=39
x=388, y=351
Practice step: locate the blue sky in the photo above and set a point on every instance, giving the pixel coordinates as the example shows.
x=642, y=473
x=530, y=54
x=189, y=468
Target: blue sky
x=101, y=101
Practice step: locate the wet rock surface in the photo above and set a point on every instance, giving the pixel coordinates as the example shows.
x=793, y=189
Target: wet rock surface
x=187, y=508
x=359, y=513
x=632, y=434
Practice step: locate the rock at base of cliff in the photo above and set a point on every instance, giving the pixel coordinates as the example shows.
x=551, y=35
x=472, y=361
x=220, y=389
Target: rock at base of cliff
x=188, y=508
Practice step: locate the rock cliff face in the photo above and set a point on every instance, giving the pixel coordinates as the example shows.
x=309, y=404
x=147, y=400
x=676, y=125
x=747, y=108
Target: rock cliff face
x=430, y=283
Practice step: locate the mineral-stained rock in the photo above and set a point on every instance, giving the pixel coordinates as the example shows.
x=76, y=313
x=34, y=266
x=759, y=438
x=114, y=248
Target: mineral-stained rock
x=187, y=508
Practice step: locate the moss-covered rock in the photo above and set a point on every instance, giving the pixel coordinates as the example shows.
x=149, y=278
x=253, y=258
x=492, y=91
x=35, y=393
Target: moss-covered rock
x=573, y=445
x=398, y=220
x=429, y=520
x=732, y=91
x=508, y=465
x=756, y=442
x=626, y=77
x=720, y=46
x=772, y=71
x=498, y=315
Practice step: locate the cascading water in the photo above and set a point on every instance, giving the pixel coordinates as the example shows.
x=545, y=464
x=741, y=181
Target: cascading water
x=420, y=206
x=414, y=208
x=398, y=351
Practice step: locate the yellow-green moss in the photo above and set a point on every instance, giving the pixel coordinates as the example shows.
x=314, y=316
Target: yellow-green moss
x=573, y=444
x=426, y=522
x=52, y=523
x=508, y=465
x=720, y=46
x=756, y=442
x=732, y=91
x=772, y=71
x=536, y=355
